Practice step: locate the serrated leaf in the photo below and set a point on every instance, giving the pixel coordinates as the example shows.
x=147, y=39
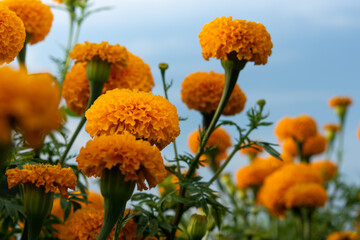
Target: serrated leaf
x=153, y=227
x=204, y=206
x=142, y=225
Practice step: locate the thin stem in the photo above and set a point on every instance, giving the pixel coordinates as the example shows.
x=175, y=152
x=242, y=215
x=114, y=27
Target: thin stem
x=232, y=70
x=162, y=70
x=95, y=92
x=22, y=54
x=341, y=141
x=69, y=43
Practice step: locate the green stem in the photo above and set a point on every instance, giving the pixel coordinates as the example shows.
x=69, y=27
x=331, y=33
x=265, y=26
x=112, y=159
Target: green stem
x=95, y=92
x=306, y=223
x=162, y=70
x=68, y=49
x=232, y=70
x=22, y=54
x=341, y=141
x=113, y=211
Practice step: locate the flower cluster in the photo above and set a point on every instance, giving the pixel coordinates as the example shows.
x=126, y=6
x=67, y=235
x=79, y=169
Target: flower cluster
x=142, y=114
x=249, y=40
x=52, y=177
x=272, y=193
x=343, y=236
x=34, y=111
x=327, y=169
x=340, y=101
x=12, y=35
x=136, y=159
x=219, y=139
x=305, y=195
x=76, y=88
x=86, y=224
x=202, y=91
x=36, y=16
x=114, y=54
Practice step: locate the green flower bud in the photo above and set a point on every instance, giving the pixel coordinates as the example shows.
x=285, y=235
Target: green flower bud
x=261, y=103
x=197, y=227
x=163, y=66
x=116, y=193
x=37, y=207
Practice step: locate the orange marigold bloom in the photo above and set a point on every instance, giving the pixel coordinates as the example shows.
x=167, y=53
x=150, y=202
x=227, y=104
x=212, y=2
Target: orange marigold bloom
x=136, y=159
x=218, y=139
x=275, y=186
x=332, y=127
x=76, y=90
x=298, y=128
x=202, y=91
x=95, y=200
x=86, y=223
x=312, y=146
x=114, y=54
x=31, y=102
x=305, y=195
x=249, y=40
x=340, y=101
x=52, y=177
x=343, y=236
x=142, y=114
x=255, y=173
x=12, y=35
x=36, y=16
x=327, y=169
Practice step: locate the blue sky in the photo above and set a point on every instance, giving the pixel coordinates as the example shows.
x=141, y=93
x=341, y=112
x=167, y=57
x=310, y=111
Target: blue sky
x=315, y=56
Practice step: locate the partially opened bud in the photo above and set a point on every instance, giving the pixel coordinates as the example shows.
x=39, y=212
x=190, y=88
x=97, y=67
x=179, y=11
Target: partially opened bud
x=197, y=227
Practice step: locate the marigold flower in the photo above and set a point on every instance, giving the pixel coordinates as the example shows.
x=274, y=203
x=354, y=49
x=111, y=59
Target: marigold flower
x=219, y=139
x=343, y=236
x=312, y=146
x=327, y=169
x=275, y=186
x=86, y=224
x=52, y=177
x=332, y=127
x=255, y=173
x=76, y=90
x=249, y=40
x=305, y=195
x=136, y=159
x=298, y=128
x=12, y=35
x=114, y=54
x=340, y=101
x=142, y=114
x=36, y=16
x=202, y=91
x=31, y=102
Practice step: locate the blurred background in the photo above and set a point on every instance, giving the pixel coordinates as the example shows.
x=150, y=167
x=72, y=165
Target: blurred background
x=315, y=57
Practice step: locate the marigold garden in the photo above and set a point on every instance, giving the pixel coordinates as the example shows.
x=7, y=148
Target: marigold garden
x=289, y=189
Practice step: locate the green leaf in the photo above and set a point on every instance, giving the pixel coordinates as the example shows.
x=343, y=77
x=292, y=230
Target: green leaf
x=153, y=227
x=142, y=225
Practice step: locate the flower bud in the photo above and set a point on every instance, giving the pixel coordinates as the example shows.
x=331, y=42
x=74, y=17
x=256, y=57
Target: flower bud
x=37, y=207
x=261, y=103
x=197, y=227
x=163, y=66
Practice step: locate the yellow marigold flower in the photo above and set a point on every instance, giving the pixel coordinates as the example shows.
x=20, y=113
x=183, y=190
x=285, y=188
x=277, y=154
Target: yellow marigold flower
x=31, y=102
x=86, y=224
x=12, y=35
x=305, y=195
x=76, y=88
x=218, y=139
x=340, y=101
x=298, y=128
x=142, y=114
x=275, y=186
x=36, y=16
x=312, y=146
x=114, y=54
x=202, y=91
x=52, y=177
x=343, y=236
x=249, y=40
x=255, y=173
x=136, y=159
x=327, y=169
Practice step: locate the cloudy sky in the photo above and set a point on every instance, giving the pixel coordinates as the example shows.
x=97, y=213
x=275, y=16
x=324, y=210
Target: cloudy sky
x=315, y=56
